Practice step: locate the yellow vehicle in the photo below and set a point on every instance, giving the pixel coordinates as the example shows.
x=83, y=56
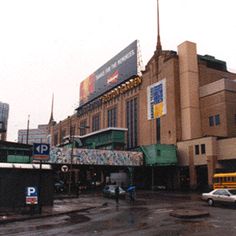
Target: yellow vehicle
x=224, y=180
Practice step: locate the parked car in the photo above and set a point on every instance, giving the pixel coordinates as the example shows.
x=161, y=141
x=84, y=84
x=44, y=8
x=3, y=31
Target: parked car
x=224, y=196
x=109, y=191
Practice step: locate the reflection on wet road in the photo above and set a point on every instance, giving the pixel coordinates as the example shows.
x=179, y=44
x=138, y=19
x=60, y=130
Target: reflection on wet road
x=149, y=215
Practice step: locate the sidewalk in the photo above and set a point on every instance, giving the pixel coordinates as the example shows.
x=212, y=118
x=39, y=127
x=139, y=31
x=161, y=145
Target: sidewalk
x=64, y=205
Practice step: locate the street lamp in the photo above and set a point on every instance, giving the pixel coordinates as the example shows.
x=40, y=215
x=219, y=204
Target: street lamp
x=71, y=141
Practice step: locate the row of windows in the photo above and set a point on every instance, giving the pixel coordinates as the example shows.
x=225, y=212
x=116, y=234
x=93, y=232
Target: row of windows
x=225, y=179
x=215, y=120
x=131, y=122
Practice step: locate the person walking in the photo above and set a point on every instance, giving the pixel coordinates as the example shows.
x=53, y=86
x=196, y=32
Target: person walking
x=117, y=193
x=131, y=191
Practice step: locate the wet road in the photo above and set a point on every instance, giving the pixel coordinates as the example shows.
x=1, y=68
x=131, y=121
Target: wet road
x=150, y=215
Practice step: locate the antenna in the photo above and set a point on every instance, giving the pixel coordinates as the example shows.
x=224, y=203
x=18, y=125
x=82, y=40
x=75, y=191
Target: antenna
x=158, y=47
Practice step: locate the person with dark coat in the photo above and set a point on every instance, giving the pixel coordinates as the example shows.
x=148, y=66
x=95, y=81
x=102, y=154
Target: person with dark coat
x=117, y=193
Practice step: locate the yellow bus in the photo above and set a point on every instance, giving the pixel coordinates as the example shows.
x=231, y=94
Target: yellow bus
x=224, y=180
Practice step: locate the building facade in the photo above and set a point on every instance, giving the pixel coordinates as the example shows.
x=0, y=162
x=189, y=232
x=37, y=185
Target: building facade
x=30, y=136
x=197, y=114
x=4, y=112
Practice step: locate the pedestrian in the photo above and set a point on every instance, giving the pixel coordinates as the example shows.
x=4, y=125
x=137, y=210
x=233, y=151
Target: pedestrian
x=131, y=191
x=117, y=193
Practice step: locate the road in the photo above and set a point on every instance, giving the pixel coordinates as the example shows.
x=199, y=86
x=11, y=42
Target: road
x=149, y=215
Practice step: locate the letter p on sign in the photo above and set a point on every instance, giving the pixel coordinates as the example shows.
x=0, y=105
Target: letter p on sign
x=31, y=191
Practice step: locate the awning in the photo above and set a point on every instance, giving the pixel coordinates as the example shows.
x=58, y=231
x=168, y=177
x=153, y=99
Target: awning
x=159, y=155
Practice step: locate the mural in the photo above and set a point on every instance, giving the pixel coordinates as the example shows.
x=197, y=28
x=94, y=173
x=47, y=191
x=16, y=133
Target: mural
x=95, y=157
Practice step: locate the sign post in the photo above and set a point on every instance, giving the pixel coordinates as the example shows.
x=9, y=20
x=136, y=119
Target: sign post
x=31, y=197
x=40, y=152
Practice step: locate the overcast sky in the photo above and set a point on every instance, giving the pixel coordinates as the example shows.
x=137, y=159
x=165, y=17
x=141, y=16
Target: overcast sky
x=50, y=46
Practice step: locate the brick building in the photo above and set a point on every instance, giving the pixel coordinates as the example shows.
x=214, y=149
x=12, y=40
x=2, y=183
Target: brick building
x=196, y=116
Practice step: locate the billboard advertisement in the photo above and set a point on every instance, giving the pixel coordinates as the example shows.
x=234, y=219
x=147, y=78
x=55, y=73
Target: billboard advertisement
x=120, y=68
x=156, y=99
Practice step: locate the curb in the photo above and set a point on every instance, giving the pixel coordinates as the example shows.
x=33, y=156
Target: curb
x=189, y=214
x=44, y=215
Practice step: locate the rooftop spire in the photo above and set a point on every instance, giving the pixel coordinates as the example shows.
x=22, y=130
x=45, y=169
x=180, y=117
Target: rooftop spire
x=51, y=120
x=158, y=47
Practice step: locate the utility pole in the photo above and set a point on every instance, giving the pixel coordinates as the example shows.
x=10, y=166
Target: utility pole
x=27, y=131
x=71, y=138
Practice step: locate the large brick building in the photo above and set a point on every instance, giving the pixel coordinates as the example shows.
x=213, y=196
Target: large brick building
x=198, y=116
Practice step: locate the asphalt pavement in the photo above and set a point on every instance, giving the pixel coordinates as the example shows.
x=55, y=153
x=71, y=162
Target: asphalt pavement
x=65, y=204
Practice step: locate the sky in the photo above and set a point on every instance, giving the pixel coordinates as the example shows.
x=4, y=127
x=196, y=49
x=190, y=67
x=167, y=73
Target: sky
x=49, y=46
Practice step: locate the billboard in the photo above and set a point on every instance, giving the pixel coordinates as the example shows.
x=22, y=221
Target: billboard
x=120, y=68
x=156, y=98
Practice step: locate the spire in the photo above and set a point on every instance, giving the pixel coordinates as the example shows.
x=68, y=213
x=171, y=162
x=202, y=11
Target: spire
x=51, y=120
x=158, y=47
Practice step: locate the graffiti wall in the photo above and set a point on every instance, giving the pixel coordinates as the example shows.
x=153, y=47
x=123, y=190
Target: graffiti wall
x=95, y=157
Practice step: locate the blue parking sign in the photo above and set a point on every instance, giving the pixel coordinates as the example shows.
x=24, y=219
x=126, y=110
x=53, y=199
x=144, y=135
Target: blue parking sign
x=41, y=149
x=31, y=197
x=31, y=191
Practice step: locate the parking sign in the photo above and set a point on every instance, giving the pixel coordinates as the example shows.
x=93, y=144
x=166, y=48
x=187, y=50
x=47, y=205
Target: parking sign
x=41, y=151
x=31, y=195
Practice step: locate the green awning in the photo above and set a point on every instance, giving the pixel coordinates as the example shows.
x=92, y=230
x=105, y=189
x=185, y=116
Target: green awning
x=159, y=155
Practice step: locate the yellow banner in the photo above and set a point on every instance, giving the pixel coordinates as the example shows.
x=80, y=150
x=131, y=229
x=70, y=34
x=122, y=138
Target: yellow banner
x=158, y=110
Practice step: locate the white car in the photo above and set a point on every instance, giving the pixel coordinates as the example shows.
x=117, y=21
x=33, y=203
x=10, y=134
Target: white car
x=227, y=196
x=109, y=191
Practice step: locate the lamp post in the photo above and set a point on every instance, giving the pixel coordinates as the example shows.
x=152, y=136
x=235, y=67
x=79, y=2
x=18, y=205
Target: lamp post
x=72, y=139
x=27, y=131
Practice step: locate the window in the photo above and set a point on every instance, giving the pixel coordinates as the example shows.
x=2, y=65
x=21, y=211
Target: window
x=132, y=123
x=82, y=131
x=72, y=130
x=217, y=119
x=203, y=148
x=63, y=134
x=196, y=149
x=111, y=117
x=214, y=120
x=96, y=122
x=211, y=121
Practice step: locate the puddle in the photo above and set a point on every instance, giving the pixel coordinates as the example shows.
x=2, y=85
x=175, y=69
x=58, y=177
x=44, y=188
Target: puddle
x=77, y=218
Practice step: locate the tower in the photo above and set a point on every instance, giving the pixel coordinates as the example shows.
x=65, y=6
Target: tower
x=51, y=120
x=158, y=46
